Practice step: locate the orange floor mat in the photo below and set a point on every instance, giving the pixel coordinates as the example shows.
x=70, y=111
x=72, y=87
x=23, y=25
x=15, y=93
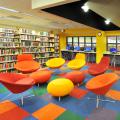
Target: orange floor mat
x=10, y=111
x=114, y=94
x=49, y=112
x=6, y=106
x=78, y=93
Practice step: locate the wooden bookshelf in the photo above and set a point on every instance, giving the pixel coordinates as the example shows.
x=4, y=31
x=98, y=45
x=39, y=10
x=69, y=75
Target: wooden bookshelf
x=42, y=46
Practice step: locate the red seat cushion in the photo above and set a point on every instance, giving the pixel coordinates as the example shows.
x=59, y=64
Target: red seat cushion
x=24, y=57
x=15, y=82
x=97, y=69
x=75, y=76
x=25, y=81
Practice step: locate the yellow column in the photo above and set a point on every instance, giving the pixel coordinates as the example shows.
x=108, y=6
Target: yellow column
x=62, y=42
x=100, y=45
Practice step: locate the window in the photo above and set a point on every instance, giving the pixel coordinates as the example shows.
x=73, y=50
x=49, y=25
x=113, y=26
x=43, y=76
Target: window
x=93, y=43
x=75, y=41
x=69, y=41
x=88, y=42
x=113, y=42
x=118, y=43
x=82, y=41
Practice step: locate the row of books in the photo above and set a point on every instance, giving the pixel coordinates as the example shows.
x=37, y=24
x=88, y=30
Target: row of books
x=6, y=39
x=7, y=58
x=24, y=49
x=5, y=51
x=6, y=65
x=6, y=44
x=6, y=30
x=47, y=44
x=7, y=34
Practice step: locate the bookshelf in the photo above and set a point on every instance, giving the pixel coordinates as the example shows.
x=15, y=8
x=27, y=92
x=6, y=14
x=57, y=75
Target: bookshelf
x=42, y=45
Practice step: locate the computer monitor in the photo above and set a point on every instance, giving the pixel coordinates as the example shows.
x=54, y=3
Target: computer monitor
x=71, y=47
x=77, y=48
x=113, y=50
x=68, y=47
x=88, y=49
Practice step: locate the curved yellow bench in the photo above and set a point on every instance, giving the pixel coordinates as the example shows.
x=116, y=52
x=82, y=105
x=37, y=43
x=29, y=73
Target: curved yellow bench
x=76, y=64
x=55, y=62
x=60, y=87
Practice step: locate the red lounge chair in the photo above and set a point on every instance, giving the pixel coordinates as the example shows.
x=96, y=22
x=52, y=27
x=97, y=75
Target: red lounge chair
x=100, y=68
x=101, y=84
x=16, y=83
x=26, y=64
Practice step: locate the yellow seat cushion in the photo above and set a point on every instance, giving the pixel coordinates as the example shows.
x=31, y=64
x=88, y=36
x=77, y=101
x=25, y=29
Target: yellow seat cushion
x=80, y=56
x=76, y=64
x=60, y=87
x=55, y=62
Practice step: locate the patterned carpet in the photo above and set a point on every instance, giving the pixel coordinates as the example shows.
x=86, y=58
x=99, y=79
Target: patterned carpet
x=75, y=106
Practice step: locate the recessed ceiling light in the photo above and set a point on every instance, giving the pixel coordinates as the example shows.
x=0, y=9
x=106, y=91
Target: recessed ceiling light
x=85, y=8
x=11, y=10
x=107, y=22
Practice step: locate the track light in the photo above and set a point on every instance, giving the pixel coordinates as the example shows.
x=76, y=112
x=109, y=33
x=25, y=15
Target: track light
x=85, y=8
x=107, y=22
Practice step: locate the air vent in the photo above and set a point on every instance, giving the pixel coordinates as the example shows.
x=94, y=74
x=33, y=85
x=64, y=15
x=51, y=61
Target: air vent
x=14, y=17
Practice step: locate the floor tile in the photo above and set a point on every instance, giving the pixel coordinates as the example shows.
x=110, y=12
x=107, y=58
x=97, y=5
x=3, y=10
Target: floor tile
x=10, y=111
x=102, y=114
x=32, y=104
x=68, y=115
x=78, y=93
x=49, y=112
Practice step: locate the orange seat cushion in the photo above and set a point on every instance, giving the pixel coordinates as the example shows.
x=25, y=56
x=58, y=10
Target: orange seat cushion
x=101, y=83
x=27, y=66
x=75, y=76
x=41, y=76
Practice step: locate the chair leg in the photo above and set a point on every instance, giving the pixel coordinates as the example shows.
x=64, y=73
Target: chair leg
x=6, y=97
x=33, y=89
x=59, y=99
x=97, y=103
x=98, y=100
x=22, y=102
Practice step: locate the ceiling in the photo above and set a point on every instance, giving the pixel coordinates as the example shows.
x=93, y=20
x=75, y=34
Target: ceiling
x=34, y=18
x=109, y=9
x=49, y=3
x=93, y=18
x=30, y=15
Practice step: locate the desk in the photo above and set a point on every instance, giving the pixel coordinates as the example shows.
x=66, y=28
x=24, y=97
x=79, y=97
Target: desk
x=70, y=54
x=114, y=58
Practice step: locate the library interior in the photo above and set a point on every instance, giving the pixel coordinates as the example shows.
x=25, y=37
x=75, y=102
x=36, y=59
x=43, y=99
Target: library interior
x=59, y=60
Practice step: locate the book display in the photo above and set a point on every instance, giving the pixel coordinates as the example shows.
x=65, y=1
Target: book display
x=42, y=45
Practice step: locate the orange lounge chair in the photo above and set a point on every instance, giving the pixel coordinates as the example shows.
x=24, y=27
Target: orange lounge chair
x=101, y=84
x=16, y=83
x=26, y=64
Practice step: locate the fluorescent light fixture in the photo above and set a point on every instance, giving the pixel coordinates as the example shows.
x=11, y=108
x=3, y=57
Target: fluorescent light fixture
x=85, y=8
x=107, y=22
x=11, y=10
